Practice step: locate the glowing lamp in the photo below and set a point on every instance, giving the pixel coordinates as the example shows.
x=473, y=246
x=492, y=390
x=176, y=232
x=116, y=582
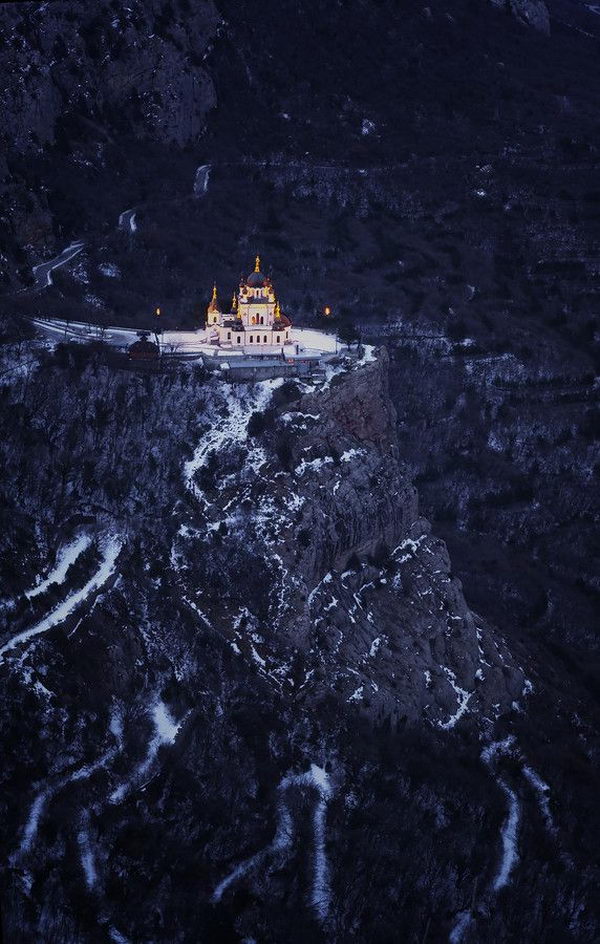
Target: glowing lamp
x=158, y=311
x=327, y=310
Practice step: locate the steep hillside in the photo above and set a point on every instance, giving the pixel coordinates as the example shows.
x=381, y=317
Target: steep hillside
x=247, y=698
x=211, y=677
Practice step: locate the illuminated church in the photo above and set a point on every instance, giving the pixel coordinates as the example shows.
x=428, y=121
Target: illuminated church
x=255, y=321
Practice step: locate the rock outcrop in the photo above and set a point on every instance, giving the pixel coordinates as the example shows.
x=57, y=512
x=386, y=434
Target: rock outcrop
x=357, y=594
x=138, y=66
x=532, y=13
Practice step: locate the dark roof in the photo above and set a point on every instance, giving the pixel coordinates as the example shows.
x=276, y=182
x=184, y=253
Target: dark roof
x=256, y=280
x=144, y=348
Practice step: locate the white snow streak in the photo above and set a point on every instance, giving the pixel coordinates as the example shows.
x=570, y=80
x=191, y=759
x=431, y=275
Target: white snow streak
x=165, y=732
x=117, y=937
x=542, y=790
x=463, y=701
x=462, y=923
x=127, y=221
x=110, y=552
x=33, y=820
x=320, y=897
x=67, y=556
x=231, y=430
x=510, y=829
x=282, y=841
x=88, y=861
x=42, y=273
x=321, y=890
x=201, y=180
x=82, y=773
x=510, y=854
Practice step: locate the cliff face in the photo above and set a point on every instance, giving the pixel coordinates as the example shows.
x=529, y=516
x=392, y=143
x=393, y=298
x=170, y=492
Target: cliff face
x=237, y=608
x=357, y=594
x=134, y=69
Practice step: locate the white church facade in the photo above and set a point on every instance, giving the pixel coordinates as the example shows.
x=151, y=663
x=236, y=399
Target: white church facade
x=255, y=322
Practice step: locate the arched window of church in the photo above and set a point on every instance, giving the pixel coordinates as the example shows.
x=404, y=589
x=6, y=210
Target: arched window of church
x=251, y=339
x=253, y=320
x=262, y=320
x=265, y=339
x=278, y=339
x=239, y=339
x=229, y=335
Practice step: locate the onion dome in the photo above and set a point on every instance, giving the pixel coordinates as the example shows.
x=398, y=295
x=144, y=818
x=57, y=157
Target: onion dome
x=257, y=279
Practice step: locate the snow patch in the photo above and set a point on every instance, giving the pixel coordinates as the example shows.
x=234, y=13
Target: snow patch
x=350, y=454
x=463, y=921
x=165, y=732
x=463, y=701
x=66, y=556
x=110, y=552
x=320, y=896
x=81, y=773
x=510, y=828
x=314, y=465
x=542, y=791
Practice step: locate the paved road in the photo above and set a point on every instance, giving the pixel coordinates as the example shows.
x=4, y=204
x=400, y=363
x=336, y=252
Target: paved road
x=127, y=221
x=177, y=342
x=201, y=180
x=42, y=273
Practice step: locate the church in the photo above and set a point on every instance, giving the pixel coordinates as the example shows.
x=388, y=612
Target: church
x=255, y=323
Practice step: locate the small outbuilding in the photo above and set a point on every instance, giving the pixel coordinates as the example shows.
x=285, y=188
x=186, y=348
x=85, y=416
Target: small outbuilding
x=143, y=350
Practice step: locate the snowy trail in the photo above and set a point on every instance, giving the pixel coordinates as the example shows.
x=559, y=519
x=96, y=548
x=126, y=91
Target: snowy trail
x=232, y=430
x=320, y=897
x=282, y=841
x=110, y=552
x=463, y=697
x=201, y=180
x=460, y=926
x=66, y=556
x=116, y=936
x=88, y=862
x=510, y=855
x=82, y=773
x=510, y=828
x=42, y=272
x=321, y=890
x=127, y=221
x=165, y=732
x=542, y=791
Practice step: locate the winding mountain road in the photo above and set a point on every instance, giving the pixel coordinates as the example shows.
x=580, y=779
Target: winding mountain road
x=42, y=273
x=201, y=180
x=127, y=221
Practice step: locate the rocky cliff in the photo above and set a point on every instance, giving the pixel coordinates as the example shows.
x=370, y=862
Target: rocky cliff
x=231, y=650
x=359, y=591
